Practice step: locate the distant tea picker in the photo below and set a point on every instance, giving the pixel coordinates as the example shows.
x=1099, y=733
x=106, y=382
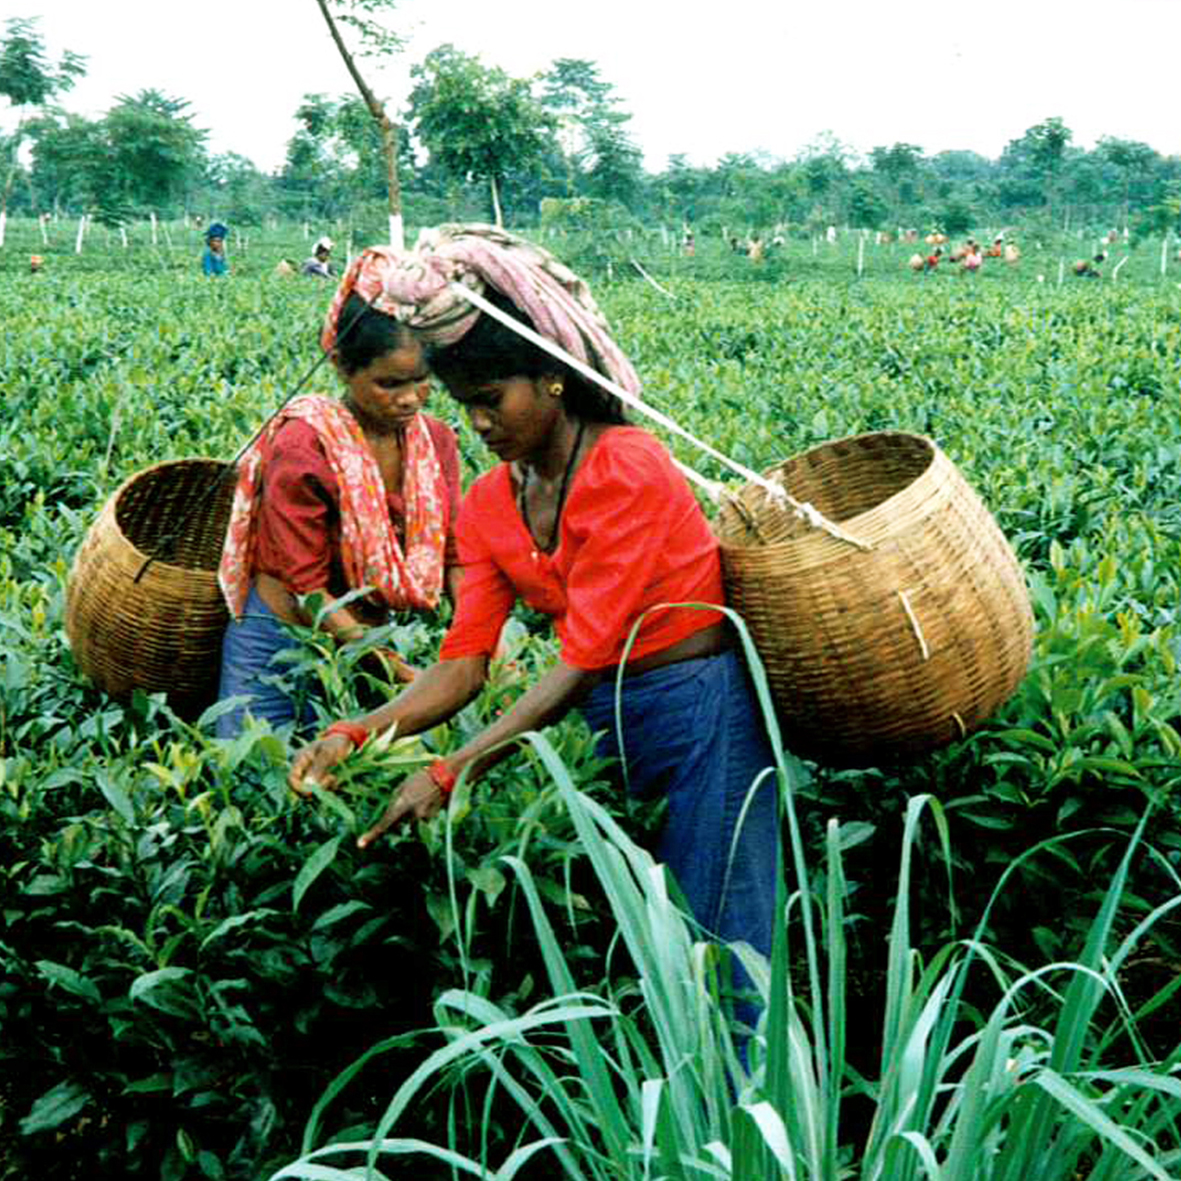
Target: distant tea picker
x=213, y=261
x=318, y=264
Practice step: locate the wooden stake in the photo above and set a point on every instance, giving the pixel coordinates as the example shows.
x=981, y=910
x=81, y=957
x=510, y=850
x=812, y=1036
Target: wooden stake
x=155, y=239
x=81, y=234
x=1061, y=270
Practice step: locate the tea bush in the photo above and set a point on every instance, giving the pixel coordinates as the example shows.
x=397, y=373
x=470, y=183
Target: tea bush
x=189, y=954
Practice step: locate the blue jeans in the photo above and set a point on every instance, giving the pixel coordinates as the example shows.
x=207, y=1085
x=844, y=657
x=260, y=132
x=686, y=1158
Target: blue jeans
x=692, y=732
x=250, y=668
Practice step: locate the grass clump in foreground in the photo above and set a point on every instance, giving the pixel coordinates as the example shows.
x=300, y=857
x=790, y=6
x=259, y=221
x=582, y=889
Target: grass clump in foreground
x=644, y=1078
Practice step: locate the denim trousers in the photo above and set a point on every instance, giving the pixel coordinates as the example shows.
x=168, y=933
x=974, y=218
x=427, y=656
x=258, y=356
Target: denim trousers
x=251, y=668
x=692, y=733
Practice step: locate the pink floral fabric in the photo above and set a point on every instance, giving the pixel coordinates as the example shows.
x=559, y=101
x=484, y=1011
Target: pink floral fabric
x=414, y=286
x=403, y=578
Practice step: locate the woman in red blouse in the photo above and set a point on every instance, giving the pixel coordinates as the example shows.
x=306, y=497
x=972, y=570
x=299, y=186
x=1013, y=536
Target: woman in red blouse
x=339, y=494
x=588, y=520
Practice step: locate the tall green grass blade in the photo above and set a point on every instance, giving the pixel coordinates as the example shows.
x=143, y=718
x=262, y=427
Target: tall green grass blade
x=1092, y=1115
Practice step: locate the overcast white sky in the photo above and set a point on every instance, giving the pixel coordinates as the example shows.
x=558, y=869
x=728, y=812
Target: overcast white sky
x=739, y=75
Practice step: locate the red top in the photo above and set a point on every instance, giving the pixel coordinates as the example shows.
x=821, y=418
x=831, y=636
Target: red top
x=299, y=515
x=632, y=536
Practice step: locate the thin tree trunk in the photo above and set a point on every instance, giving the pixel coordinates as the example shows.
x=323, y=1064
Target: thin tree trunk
x=389, y=130
x=499, y=217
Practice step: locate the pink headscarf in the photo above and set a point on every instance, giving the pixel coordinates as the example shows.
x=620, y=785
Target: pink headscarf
x=415, y=287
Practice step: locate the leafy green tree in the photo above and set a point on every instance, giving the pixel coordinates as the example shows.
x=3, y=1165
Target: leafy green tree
x=156, y=151
x=592, y=131
x=1163, y=217
x=1134, y=161
x=239, y=190
x=28, y=79
x=681, y=187
x=1039, y=153
x=956, y=216
x=336, y=158
x=899, y=165
x=144, y=153
x=72, y=165
x=376, y=40
x=867, y=209
x=825, y=170
x=744, y=183
x=476, y=121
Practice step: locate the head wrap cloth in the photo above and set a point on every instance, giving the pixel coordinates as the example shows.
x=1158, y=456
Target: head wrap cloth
x=415, y=287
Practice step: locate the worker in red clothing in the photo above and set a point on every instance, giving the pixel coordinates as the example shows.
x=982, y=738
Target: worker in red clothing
x=587, y=519
x=339, y=495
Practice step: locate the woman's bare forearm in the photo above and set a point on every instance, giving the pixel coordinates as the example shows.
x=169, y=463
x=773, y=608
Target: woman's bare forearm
x=545, y=702
x=435, y=696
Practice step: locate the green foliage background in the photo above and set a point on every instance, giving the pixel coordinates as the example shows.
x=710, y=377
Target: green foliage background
x=188, y=955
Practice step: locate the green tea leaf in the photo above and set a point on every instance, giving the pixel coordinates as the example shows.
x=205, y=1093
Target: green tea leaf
x=116, y=796
x=143, y=987
x=70, y=980
x=57, y=1105
x=315, y=865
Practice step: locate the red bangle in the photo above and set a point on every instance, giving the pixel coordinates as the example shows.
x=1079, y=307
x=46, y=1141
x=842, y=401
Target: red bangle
x=354, y=732
x=442, y=777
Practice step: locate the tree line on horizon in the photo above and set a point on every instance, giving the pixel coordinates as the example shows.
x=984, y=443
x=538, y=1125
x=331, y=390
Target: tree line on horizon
x=475, y=143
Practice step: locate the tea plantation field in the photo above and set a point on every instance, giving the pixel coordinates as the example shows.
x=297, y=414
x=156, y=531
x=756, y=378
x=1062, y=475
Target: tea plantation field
x=189, y=956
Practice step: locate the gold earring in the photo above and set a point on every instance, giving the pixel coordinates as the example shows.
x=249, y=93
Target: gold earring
x=556, y=390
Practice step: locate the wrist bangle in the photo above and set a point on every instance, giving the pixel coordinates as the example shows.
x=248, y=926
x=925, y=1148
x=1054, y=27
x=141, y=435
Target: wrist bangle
x=353, y=731
x=442, y=777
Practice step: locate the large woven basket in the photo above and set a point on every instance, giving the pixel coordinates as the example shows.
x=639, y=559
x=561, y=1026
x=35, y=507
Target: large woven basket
x=157, y=624
x=880, y=654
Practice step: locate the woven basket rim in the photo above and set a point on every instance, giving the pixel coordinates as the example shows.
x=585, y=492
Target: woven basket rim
x=111, y=507
x=866, y=525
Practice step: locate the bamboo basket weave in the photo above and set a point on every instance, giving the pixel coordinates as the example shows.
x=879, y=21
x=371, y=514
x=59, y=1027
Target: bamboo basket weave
x=143, y=608
x=885, y=653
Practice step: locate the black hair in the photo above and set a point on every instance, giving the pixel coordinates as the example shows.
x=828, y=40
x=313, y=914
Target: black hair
x=491, y=351
x=365, y=334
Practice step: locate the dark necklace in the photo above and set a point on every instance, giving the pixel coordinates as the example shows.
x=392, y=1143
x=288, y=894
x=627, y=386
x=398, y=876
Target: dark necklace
x=522, y=502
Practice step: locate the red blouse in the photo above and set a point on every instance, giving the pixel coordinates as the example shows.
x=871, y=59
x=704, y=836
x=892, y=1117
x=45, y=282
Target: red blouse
x=632, y=536
x=299, y=515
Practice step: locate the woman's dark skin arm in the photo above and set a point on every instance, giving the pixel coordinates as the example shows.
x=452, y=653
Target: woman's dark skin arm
x=451, y=580
x=439, y=693
x=544, y=703
x=434, y=696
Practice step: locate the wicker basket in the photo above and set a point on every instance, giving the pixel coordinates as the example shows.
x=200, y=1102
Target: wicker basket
x=154, y=625
x=879, y=654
